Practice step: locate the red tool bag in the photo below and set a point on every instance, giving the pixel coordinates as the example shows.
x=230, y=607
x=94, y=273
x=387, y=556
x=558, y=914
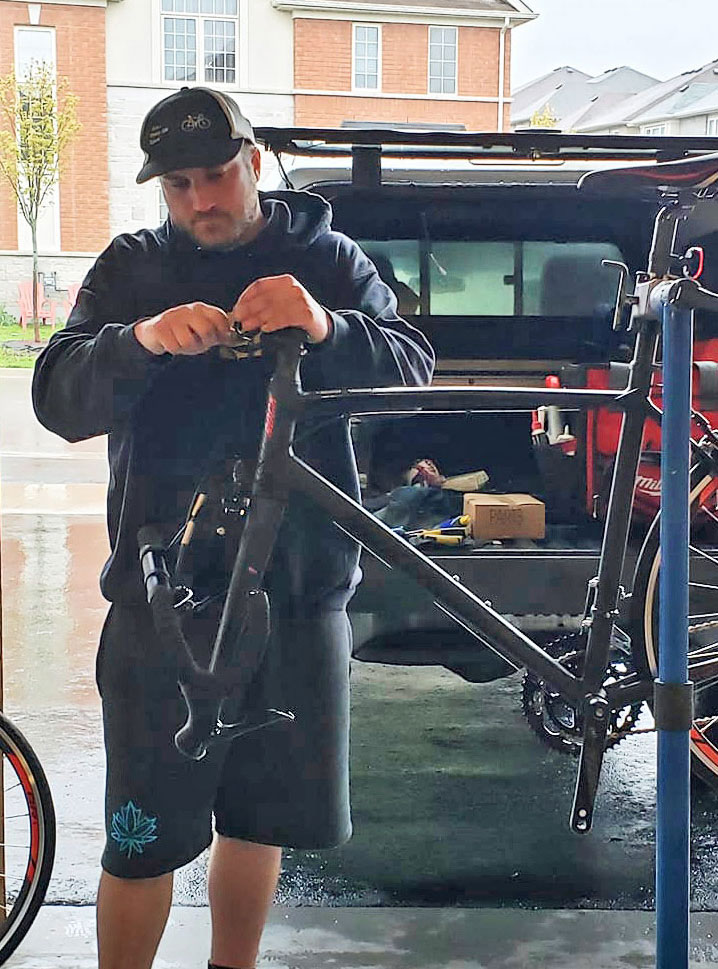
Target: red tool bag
x=603, y=427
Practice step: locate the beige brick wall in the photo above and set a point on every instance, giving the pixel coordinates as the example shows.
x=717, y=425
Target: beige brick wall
x=329, y=111
x=323, y=55
x=405, y=58
x=478, y=62
x=323, y=62
x=84, y=204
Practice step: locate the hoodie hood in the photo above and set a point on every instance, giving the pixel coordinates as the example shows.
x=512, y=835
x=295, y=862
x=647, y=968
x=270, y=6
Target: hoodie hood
x=296, y=218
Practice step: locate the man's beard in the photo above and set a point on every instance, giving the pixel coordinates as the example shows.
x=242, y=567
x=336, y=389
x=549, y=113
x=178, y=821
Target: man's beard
x=228, y=239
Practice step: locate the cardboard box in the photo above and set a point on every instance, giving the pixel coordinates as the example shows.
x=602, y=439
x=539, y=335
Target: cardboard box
x=505, y=516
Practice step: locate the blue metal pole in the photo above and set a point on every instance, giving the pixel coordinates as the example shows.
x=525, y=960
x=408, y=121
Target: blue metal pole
x=673, y=788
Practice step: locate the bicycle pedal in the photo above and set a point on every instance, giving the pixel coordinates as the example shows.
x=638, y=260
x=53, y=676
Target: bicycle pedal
x=230, y=731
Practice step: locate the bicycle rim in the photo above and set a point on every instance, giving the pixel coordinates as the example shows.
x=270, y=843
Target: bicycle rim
x=27, y=845
x=703, y=612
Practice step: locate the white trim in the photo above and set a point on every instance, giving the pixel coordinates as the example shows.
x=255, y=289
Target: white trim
x=34, y=10
x=364, y=90
x=502, y=76
x=712, y=118
x=397, y=95
x=157, y=43
x=386, y=12
x=46, y=254
x=78, y=3
x=243, y=44
x=442, y=95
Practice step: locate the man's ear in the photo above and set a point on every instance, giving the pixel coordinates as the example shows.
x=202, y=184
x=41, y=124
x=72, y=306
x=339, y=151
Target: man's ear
x=256, y=161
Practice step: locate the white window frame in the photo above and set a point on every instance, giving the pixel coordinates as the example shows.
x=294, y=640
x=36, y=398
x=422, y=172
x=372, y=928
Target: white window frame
x=162, y=207
x=442, y=94
x=377, y=27
x=199, y=19
x=657, y=130
x=48, y=224
x=712, y=125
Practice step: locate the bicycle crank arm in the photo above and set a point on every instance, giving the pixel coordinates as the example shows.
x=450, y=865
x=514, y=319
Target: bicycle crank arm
x=595, y=729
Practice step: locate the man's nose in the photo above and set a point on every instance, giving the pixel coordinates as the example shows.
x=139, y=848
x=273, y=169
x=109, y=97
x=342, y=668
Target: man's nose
x=202, y=198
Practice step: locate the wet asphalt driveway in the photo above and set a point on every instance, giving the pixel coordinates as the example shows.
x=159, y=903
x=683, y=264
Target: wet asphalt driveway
x=455, y=802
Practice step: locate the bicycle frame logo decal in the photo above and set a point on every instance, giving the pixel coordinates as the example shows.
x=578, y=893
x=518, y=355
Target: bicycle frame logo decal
x=132, y=829
x=271, y=412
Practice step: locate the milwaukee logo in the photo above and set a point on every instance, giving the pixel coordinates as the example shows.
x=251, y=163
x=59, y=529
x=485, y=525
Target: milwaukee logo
x=652, y=485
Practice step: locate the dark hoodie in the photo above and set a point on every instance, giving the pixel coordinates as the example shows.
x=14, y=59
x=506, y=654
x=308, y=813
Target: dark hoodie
x=168, y=416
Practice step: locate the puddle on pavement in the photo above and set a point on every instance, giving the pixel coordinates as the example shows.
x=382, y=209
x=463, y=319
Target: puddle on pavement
x=52, y=608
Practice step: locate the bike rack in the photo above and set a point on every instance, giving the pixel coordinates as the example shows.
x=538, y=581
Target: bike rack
x=673, y=691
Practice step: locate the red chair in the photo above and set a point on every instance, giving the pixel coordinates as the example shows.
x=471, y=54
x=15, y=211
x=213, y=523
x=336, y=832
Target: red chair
x=46, y=309
x=24, y=298
x=69, y=301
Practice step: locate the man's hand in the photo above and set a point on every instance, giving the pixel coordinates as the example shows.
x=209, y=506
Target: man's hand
x=277, y=302
x=185, y=330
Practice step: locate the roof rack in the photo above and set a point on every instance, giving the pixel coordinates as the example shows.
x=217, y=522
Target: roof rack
x=534, y=145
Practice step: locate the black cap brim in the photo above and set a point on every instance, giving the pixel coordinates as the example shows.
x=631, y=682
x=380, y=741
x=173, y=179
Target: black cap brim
x=206, y=155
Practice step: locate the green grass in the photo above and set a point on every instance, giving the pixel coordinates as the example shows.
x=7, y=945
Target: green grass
x=12, y=358
x=10, y=329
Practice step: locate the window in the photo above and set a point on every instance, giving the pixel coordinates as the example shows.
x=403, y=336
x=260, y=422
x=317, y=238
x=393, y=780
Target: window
x=712, y=126
x=442, y=60
x=33, y=45
x=200, y=40
x=654, y=129
x=367, y=57
x=36, y=45
x=162, y=209
x=497, y=278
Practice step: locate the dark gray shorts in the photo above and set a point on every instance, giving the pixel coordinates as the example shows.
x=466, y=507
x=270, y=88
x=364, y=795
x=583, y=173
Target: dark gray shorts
x=284, y=785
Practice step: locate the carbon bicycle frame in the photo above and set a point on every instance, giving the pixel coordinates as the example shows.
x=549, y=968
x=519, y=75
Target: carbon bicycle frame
x=280, y=472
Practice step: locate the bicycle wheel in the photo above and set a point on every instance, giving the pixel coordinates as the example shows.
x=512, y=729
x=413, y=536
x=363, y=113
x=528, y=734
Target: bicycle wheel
x=703, y=615
x=27, y=845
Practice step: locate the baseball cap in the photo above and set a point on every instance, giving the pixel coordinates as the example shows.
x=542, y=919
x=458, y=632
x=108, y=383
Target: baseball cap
x=195, y=127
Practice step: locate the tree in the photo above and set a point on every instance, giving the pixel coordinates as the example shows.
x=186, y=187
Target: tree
x=544, y=118
x=37, y=123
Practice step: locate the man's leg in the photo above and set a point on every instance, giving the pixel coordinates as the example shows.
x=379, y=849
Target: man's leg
x=242, y=881
x=131, y=917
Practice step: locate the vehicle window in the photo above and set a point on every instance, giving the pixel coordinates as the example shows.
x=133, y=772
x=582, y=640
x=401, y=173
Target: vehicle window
x=498, y=278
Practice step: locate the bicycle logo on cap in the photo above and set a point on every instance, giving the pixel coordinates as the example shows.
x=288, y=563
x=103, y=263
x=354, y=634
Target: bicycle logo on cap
x=195, y=122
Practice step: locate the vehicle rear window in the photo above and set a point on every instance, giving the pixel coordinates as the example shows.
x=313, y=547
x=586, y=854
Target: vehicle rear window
x=498, y=278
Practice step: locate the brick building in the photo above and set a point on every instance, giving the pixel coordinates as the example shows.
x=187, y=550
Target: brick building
x=304, y=62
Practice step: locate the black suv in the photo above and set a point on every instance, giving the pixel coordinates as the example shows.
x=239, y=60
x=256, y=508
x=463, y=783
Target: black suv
x=497, y=256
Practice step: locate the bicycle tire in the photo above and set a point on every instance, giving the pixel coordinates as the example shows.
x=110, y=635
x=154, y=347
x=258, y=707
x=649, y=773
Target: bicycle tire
x=644, y=621
x=22, y=891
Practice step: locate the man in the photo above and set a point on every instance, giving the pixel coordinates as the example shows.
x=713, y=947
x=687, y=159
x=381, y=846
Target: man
x=146, y=358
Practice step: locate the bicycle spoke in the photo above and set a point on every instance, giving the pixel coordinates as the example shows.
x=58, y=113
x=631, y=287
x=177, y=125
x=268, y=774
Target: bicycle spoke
x=703, y=585
x=702, y=552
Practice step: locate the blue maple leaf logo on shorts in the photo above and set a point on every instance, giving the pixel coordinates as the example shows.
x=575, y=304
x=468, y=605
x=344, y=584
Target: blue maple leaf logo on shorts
x=132, y=829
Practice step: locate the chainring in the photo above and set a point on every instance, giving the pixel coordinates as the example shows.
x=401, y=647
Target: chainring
x=553, y=718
